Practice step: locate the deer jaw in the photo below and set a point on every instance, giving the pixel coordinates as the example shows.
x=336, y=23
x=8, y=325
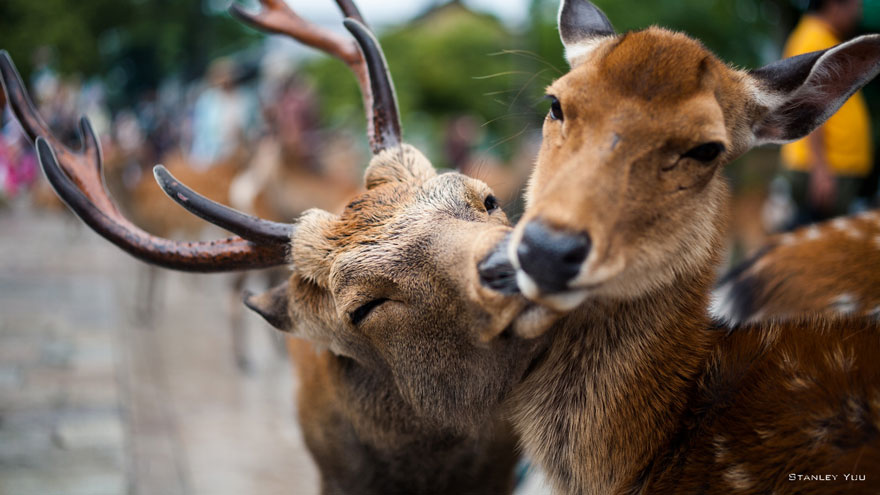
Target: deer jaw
x=391, y=284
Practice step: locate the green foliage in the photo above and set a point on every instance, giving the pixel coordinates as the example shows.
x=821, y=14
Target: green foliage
x=70, y=26
x=748, y=33
x=440, y=60
x=446, y=63
x=134, y=43
x=450, y=61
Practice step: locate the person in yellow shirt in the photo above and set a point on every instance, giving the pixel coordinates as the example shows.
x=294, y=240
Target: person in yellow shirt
x=826, y=169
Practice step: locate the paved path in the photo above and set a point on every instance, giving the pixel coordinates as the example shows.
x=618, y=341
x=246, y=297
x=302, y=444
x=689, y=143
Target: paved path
x=93, y=403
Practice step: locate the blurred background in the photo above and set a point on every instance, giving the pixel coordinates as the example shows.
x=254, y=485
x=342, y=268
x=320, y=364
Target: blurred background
x=116, y=378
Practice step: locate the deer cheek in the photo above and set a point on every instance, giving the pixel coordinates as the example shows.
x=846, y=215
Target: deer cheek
x=686, y=175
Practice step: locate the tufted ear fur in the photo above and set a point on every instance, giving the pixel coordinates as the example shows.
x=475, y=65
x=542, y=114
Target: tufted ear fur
x=272, y=305
x=801, y=93
x=311, y=246
x=403, y=164
x=581, y=24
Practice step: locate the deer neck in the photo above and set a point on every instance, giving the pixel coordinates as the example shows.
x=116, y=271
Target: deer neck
x=366, y=439
x=612, y=389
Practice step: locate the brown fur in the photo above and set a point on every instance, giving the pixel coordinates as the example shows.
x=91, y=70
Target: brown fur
x=828, y=268
x=638, y=392
x=388, y=405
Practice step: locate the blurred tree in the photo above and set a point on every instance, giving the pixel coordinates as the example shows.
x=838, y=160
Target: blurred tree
x=747, y=33
x=445, y=63
x=134, y=44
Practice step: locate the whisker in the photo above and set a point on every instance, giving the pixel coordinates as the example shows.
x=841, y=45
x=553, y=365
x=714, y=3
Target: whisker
x=499, y=74
x=507, y=139
x=505, y=116
x=526, y=85
x=530, y=55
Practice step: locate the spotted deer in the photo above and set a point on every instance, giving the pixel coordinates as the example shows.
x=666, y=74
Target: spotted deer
x=828, y=268
x=403, y=355
x=639, y=391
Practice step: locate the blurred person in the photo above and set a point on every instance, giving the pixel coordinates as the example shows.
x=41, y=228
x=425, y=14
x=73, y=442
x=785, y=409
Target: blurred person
x=292, y=155
x=220, y=117
x=92, y=102
x=129, y=142
x=18, y=163
x=826, y=169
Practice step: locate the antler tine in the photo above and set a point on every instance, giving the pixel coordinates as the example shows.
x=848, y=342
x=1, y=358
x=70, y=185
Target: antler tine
x=214, y=256
x=19, y=100
x=249, y=227
x=277, y=17
x=78, y=180
x=83, y=166
x=381, y=108
x=350, y=10
x=385, y=123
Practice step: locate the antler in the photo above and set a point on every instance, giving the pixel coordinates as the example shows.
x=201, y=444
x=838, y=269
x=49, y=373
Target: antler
x=380, y=105
x=77, y=178
x=387, y=130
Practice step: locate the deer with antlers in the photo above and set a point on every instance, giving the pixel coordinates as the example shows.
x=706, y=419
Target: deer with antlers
x=638, y=391
x=396, y=395
x=827, y=268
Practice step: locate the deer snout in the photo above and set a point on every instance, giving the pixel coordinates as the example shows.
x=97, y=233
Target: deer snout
x=552, y=257
x=496, y=270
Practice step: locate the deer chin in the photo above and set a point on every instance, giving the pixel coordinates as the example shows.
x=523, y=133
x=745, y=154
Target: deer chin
x=498, y=287
x=558, y=301
x=598, y=277
x=535, y=320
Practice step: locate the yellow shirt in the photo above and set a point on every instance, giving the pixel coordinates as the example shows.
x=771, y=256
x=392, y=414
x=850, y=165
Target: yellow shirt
x=847, y=134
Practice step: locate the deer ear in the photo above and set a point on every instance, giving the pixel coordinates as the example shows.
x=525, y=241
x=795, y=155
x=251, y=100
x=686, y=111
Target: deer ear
x=801, y=93
x=272, y=305
x=400, y=164
x=580, y=24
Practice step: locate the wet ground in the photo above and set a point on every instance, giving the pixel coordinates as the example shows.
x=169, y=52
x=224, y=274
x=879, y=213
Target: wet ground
x=95, y=401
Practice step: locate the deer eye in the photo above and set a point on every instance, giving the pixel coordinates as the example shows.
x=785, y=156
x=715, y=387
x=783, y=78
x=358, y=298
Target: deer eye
x=364, y=310
x=705, y=152
x=490, y=203
x=555, y=108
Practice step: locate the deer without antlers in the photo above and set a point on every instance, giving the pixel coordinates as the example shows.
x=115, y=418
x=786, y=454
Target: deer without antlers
x=638, y=391
x=389, y=380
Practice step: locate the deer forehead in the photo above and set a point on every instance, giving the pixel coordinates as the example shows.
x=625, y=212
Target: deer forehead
x=656, y=73
x=390, y=226
x=657, y=65
x=395, y=207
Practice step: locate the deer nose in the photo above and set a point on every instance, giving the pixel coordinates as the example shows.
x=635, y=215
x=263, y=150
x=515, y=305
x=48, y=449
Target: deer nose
x=552, y=257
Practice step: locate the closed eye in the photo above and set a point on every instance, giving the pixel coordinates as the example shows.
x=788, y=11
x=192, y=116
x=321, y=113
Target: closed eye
x=364, y=310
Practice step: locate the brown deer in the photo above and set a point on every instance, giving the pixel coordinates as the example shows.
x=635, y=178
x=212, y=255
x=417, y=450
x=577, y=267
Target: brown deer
x=404, y=355
x=828, y=268
x=638, y=391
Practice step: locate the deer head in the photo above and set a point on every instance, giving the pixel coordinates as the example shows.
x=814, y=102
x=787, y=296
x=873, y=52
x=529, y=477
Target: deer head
x=389, y=286
x=627, y=193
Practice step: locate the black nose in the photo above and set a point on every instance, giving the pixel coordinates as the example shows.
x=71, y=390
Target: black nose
x=496, y=271
x=552, y=257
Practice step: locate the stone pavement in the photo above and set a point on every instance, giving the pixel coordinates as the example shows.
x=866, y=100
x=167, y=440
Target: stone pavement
x=93, y=402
